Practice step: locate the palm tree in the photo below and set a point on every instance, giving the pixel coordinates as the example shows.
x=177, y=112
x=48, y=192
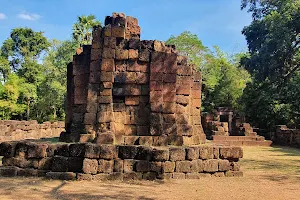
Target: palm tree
x=82, y=29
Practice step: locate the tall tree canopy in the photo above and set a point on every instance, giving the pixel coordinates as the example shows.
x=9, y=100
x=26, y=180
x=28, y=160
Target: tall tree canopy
x=24, y=43
x=274, y=61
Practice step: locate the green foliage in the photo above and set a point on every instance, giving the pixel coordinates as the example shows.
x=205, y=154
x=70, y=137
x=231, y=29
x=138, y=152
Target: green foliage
x=23, y=44
x=82, y=29
x=273, y=40
x=223, y=79
x=189, y=45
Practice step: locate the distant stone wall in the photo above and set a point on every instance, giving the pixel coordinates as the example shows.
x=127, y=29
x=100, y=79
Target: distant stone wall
x=286, y=136
x=117, y=162
x=12, y=130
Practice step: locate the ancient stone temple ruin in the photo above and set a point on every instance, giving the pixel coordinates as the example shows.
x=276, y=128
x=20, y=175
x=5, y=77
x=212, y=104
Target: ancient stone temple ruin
x=133, y=112
x=123, y=90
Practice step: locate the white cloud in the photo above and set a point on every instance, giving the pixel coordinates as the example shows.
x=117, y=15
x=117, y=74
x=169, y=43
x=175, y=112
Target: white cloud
x=29, y=16
x=2, y=16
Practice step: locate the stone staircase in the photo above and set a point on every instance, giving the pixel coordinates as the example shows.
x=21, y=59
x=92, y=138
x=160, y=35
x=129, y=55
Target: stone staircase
x=241, y=140
x=245, y=137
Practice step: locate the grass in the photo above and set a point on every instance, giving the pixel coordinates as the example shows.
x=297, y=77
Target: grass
x=277, y=160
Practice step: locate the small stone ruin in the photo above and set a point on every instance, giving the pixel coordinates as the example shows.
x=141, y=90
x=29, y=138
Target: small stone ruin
x=122, y=90
x=133, y=112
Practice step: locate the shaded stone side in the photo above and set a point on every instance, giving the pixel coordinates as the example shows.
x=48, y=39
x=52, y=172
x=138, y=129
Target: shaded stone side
x=12, y=130
x=121, y=162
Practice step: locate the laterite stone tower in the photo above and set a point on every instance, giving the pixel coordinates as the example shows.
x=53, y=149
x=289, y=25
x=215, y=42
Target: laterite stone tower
x=122, y=90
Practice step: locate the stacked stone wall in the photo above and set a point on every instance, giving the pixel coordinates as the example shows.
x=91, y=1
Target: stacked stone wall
x=12, y=130
x=118, y=162
x=286, y=136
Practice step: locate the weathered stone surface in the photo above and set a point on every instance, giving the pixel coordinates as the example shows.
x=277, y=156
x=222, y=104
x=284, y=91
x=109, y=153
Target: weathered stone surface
x=177, y=154
x=90, y=166
x=106, y=166
x=160, y=154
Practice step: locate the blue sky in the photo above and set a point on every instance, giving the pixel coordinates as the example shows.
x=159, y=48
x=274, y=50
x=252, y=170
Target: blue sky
x=216, y=22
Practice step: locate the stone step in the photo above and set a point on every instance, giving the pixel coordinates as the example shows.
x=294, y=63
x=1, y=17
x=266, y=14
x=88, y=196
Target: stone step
x=238, y=138
x=244, y=143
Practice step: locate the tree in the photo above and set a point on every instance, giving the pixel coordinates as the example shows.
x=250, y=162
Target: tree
x=189, y=45
x=23, y=44
x=273, y=40
x=82, y=29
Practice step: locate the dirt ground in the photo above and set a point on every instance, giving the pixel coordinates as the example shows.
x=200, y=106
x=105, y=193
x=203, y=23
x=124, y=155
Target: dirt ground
x=269, y=173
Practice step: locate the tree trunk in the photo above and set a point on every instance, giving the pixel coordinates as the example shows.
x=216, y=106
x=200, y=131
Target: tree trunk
x=28, y=109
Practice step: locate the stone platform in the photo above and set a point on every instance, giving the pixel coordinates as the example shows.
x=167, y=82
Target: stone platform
x=241, y=140
x=79, y=161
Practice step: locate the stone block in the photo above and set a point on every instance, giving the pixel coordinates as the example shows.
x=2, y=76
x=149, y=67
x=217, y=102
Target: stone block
x=177, y=154
x=183, y=89
x=130, y=130
x=144, y=55
x=107, y=65
x=169, y=107
x=132, y=100
x=160, y=140
x=218, y=174
x=128, y=152
x=234, y=174
x=168, y=167
x=106, y=76
x=133, y=54
x=105, y=166
x=121, y=54
x=77, y=150
x=108, y=53
x=206, y=152
x=144, y=153
x=118, y=31
x=178, y=175
x=90, y=166
x=150, y=176
x=156, y=76
x=192, y=176
x=84, y=177
x=129, y=165
x=118, y=165
x=61, y=175
x=75, y=164
x=169, y=78
x=59, y=164
x=211, y=165
x=105, y=138
x=155, y=86
x=183, y=100
x=183, y=166
x=192, y=153
x=160, y=154
x=7, y=149
x=142, y=166
x=224, y=165
x=142, y=78
x=146, y=140
x=108, y=152
x=156, y=167
x=169, y=118
x=45, y=163
x=234, y=166
x=130, y=176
